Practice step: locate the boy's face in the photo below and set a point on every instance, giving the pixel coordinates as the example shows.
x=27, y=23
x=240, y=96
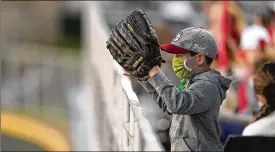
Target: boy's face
x=198, y=59
x=195, y=62
x=183, y=56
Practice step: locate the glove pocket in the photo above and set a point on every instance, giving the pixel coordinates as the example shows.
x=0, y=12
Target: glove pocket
x=141, y=27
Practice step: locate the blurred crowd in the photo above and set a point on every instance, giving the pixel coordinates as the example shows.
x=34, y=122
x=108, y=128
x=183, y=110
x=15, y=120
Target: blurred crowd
x=243, y=48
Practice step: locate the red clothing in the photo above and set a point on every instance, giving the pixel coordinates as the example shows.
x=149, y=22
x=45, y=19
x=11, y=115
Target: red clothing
x=271, y=32
x=228, y=29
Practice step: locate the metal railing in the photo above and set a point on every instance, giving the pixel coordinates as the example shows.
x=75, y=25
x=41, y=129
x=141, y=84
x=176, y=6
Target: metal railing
x=118, y=119
x=137, y=133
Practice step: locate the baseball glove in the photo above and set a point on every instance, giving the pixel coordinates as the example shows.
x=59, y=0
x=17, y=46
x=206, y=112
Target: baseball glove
x=134, y=45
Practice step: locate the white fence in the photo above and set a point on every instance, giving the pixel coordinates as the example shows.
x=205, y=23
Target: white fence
x=118, y=121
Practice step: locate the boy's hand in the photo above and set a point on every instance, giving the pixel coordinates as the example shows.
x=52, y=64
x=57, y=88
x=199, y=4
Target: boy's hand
x=140, y=79
x=152, y=72
x=126, y=74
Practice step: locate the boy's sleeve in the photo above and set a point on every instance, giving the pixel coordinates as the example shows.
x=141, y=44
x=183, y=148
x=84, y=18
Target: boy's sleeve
x=151, y=90
x=197, y=98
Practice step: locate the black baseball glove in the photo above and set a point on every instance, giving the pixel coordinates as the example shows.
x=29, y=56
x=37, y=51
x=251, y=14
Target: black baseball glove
x=134, y=45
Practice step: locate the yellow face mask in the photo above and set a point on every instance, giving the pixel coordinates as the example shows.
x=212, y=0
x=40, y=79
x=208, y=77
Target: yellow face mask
x=179, y=69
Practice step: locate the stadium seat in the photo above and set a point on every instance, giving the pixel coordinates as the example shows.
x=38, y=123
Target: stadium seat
x=250, y=144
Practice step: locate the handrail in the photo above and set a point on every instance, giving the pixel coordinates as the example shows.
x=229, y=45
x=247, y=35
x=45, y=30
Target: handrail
x=122, y=110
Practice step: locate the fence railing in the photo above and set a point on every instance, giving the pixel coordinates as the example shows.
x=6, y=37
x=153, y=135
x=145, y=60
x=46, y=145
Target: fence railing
x=118, y=119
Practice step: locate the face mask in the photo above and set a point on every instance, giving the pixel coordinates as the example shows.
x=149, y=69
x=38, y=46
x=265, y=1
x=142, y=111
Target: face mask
x=179, y=68
x=190, y=63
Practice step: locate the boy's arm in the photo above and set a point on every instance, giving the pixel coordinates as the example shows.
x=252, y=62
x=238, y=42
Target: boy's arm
x=151, y=90
x=197, y=98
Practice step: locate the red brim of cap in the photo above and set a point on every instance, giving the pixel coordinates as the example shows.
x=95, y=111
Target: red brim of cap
x=171, y=48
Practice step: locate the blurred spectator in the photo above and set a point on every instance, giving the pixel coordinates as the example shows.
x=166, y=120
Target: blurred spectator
x=176, y=10
x=247, y=100
x=177, y=14
x=237, y=22
x=255, y=37
x=228, y=26
x=205, y=6
x=264, y=123
x=255, y=42
x=271, y=26
x=241, y=98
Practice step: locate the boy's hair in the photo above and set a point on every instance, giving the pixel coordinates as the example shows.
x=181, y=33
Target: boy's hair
x=208, y=59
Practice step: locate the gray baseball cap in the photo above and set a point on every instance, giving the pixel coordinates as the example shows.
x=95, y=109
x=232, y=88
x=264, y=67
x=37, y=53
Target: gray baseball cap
x=193, y=39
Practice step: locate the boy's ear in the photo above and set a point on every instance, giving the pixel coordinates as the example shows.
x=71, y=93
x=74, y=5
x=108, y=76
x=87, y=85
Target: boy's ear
x=201, y=59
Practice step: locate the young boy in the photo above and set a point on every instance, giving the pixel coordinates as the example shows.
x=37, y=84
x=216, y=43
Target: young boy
x=195, y=104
